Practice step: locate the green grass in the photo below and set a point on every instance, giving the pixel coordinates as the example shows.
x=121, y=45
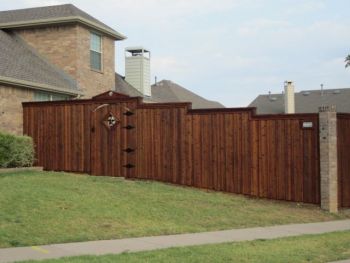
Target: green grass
x=311, y=248
x=45, y=207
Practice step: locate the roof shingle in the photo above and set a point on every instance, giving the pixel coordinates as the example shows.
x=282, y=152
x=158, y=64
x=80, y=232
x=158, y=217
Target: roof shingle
x=305, y=101
x=20, y=62
x=166, y=91
x=30, y=16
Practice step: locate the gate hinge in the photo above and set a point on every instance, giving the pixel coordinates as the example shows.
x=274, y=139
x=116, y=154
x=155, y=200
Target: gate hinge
x=129, y=127
x=128, y=113
x=129, y=150
x=129, y=165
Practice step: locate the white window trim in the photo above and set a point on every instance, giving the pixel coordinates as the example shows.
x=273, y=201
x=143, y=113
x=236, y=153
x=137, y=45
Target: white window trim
x=100, y=52
x=49, y=95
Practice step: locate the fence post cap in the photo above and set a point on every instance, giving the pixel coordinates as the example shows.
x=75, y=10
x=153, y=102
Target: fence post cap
x=327, y=108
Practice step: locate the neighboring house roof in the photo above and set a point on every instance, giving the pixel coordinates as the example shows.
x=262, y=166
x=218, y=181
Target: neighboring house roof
x=124, y=87
x=168, y=91
x=58, y=14
x=305, y=101
x=165, y=91
x=21, y=65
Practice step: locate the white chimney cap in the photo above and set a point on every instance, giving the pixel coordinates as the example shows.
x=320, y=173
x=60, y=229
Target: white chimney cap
x=138, y=49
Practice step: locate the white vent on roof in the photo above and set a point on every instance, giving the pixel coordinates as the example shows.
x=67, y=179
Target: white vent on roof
x=306, y=93
x=272, y=98
x=336, y=91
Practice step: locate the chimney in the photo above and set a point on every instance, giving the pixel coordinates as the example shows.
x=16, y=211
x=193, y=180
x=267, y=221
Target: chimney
x=137, y=69
x=289, y=103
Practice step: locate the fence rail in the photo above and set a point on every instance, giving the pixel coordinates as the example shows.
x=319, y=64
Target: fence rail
x=231, y=150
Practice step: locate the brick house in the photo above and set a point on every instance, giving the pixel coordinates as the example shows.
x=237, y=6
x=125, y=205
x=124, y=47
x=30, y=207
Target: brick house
x=58, y=53
x=52, y=53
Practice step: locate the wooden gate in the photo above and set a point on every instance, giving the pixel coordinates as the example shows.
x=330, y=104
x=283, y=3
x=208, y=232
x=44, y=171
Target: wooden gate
x=112, y=139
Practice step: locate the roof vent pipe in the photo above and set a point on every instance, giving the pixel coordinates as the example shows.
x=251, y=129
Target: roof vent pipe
x=289, y=99
x=321, y=89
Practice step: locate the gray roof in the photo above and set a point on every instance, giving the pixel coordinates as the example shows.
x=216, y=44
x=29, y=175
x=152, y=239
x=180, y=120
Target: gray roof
x=52, y=14
x=166, y=91
x=21, y=64
x=124, y=87
x=306, y=101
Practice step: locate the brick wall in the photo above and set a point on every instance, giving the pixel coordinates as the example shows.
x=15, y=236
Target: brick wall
x=328, y=158
x=68, y=47
x=11, y=99
x=96, y=82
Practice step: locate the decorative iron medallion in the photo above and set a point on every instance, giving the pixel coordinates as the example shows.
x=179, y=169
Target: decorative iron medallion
x=110, y=121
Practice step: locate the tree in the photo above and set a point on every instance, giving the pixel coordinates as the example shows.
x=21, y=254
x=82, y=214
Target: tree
x=347, y=61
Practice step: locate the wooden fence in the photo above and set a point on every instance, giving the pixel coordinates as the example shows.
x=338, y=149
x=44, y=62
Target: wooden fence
x=343, y=130
x=231, y=150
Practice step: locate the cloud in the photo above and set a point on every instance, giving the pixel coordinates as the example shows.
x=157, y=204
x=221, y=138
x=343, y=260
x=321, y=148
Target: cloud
x=304, y=7
x=257, y=26
x=167, y=66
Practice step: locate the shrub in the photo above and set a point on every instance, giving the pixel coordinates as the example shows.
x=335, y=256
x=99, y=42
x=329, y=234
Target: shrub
x=16, y=151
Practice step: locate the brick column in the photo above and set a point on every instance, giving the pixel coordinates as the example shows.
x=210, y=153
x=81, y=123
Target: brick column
x=328, y=158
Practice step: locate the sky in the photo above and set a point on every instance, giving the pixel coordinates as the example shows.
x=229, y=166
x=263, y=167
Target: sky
x=230, y=50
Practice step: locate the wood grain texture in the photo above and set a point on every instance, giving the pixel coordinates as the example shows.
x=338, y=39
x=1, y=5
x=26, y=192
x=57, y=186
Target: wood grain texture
x=231, y=150
x=343, y=130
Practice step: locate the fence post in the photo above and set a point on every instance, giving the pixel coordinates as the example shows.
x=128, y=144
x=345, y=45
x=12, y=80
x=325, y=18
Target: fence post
x=328, y=158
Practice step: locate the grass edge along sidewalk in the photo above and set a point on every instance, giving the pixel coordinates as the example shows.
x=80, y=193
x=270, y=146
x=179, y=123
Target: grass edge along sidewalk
x=161, y=242
x=308, y=248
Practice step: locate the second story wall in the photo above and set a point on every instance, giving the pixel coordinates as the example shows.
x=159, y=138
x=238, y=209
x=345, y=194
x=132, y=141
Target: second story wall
x=97, y=81
x=68, y=47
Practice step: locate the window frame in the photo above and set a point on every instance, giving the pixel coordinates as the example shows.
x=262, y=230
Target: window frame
x=99, y=52
x=49, y=96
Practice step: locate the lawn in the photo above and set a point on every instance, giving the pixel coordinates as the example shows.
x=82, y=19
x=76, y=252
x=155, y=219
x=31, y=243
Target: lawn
x=310, y=248
x=46, y=207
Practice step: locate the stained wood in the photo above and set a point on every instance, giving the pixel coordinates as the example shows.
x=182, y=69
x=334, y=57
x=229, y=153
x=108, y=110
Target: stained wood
x=343, y=131
x=231, y=150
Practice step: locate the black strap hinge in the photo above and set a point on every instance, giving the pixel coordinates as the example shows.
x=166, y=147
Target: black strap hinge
x=129, y=150
x=129, y=127
x=129, y=166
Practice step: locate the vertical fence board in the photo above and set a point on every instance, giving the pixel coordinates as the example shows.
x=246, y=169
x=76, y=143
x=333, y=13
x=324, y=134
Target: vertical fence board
x=343, y=130
x=230, y=150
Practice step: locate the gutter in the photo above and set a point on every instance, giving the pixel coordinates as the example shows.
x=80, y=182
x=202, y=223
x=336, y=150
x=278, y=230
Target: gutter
x=38, y=86
x=63, y=20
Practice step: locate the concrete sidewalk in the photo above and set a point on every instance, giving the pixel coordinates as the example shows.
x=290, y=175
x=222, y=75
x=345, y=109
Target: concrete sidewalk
x=159, y=242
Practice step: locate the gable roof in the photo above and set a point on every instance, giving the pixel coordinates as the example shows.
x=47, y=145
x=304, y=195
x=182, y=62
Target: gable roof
x=306, y=101
x=165, y=91
x=168, y=91
x=124, y=87
x=48, y=15
x=21, y=65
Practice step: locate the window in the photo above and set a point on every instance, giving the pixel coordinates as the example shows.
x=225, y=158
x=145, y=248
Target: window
x=95, y=52
x=45, y=96
x=41, y=96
